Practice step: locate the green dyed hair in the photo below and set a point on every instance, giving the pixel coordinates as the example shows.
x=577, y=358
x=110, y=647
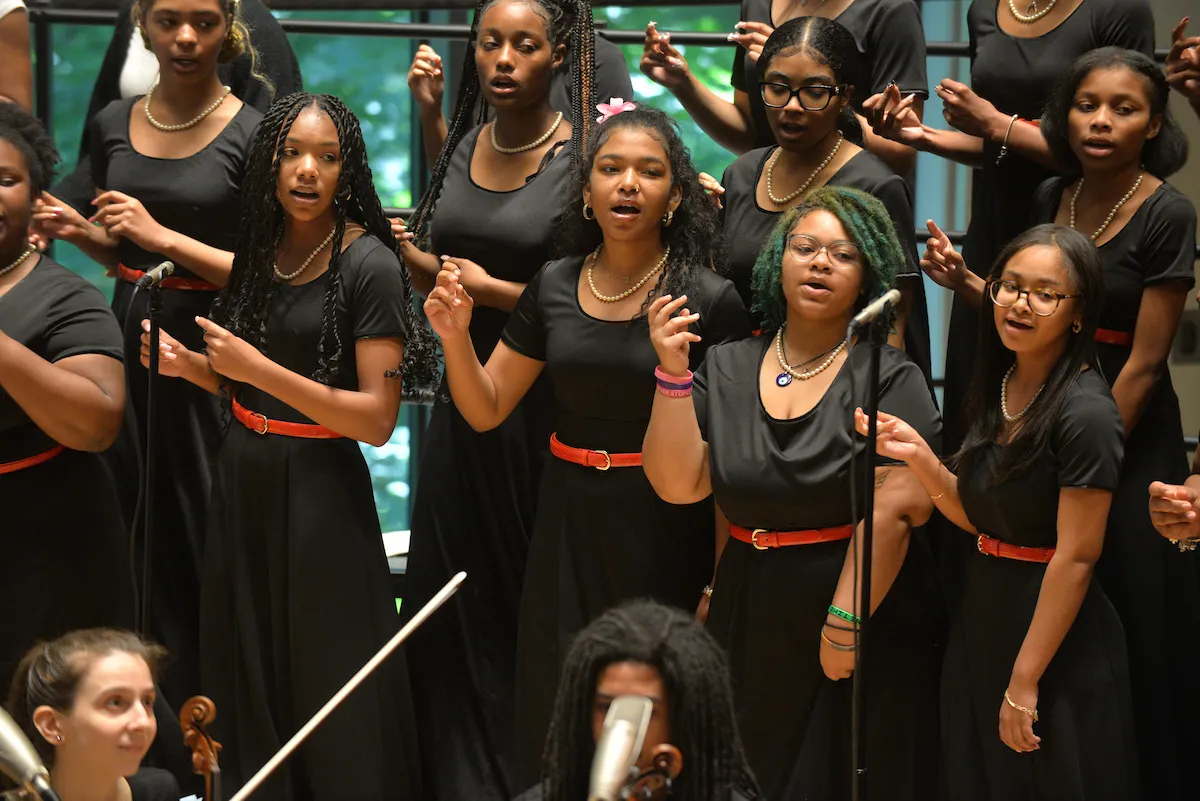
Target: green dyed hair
x=870, y=228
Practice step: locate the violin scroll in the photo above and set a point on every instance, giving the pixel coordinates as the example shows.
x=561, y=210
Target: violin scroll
x=195, y=715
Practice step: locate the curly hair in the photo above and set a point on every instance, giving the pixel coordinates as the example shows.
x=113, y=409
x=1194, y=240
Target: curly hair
x=870, y=228
x=243, y=303
x=695, y=234
x=695, y=676
x=568, y=22
x=26, y=133
x=1162, y=156
x=825, y=42
x=50, y=674
x=237, y=35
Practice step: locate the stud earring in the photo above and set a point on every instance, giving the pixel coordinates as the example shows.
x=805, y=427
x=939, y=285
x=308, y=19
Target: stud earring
x=1077, y=326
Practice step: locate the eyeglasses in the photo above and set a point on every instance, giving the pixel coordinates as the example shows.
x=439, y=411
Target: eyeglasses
x=805, y=248
x=1042, y=302
x=813, y=97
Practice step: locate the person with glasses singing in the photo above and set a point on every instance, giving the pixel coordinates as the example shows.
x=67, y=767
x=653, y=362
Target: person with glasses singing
x=809, y=69
x=768, y=430
x=1035, y=685
x=1107, y=122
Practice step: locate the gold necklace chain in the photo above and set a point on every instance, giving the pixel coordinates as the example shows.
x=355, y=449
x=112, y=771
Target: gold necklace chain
x=614, y=298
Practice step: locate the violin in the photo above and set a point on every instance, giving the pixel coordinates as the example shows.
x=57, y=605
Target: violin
x=656, y=782
x=195, y=715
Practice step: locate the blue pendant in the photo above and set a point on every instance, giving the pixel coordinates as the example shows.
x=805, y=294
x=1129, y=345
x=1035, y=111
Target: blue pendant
x=783, y=379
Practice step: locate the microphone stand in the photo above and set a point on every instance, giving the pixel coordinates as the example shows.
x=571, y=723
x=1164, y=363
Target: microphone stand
x=858, y=787
x=154, y=309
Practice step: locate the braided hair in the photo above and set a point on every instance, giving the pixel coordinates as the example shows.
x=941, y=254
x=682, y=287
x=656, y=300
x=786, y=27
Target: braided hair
x=695, y=233
x=695, y=677
x=242, y=305
x=568, y=22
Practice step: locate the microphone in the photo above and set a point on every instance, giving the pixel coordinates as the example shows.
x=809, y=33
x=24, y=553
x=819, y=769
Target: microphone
x=20, y=762
x=154, y=277
x=875, y=308
x=619, y=746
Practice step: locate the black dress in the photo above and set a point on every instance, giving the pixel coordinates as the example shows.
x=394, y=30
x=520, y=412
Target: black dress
x=1087, y=751
x=1155, y=588
x=475, y=501
x=275, y=60
x=748, y=226
x=768, y=607
x=296, y=594
x=600, y=538
x=64, y=542
x=1017, y=76
x=151, y=784
x=890, y=39
x=196, y=196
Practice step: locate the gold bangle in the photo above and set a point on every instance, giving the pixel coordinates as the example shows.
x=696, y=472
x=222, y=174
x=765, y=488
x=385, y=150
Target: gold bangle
x=837, y=646
x=1031, y=712
x=1008, y=133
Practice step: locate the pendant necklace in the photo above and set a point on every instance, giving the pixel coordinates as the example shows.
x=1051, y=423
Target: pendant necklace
x=789, y=372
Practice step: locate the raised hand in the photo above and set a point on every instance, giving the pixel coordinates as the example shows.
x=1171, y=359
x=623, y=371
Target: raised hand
x=125, y=216
x=893, y=117
x=230, y=355
x=448, y=307
x=1183, y=63
x=940, y=261
x=426, y=80
x=400, y=230
x=712, y=187
x=172, y=355
x=669, y=332
x=54, y=219
x=895, y=439
x=752, y=36
x=661, y=62
x=970, y=113
x=1175, y=511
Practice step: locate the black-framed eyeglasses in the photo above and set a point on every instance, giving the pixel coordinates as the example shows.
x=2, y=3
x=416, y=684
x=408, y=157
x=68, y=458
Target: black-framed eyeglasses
x=1042, y=301
x=805, y=248
x=813, y=97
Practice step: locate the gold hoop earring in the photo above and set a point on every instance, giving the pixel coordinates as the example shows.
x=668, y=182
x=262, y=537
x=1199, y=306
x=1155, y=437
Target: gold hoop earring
x=587, y=213
x=668, y=218
x=1077, y=326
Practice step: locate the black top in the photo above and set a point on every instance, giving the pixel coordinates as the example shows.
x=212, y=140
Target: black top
x=275, y=60
x=789, y=475
x=603, y=372
x=1156, y=246
x=890, y=39
x=1017, y=76
x=56, y=314
x=153, y=784
x=1085, y=450
x=748, y=225
x=197, y=196
x=509, y=234
x=370, y=305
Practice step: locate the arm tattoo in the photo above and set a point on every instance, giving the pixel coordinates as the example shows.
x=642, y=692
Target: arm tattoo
x=881, y=477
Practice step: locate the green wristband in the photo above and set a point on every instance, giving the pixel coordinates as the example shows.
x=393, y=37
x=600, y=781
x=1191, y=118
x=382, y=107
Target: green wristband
x=844, y=615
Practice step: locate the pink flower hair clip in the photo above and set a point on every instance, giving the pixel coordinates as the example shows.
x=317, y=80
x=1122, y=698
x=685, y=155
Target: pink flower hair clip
x=614, y=107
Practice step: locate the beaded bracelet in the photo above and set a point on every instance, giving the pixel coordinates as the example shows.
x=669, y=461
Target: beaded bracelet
x=673, y=386
x=844, y=615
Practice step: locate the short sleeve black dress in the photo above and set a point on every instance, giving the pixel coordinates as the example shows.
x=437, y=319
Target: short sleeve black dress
x=152, y=784
x=600, y=537
x=768, y=606
x=1155, y=588
x=62, y=525
x=1085, y=721
x=296, y=592
x=1017, y=76
x=196, y=196
x=748, y=226
x=890, y=39
x=476, y=498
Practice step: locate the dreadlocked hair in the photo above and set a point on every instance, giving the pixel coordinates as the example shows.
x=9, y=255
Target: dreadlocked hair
x=26, y=133
x=695, y=233
x=695, y=678
x=870, y=228
x=568, y=22
x=242, y=305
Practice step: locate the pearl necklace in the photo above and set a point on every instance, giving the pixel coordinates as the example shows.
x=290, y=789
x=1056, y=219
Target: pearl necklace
x=614, y=298
x=289, y=276
x=789, y=372
x=29, y=251
x=541, y=140
x=186, y=125
x=1108, y=220
x=780, y=201
x=1012, y=418
x=1028, y=17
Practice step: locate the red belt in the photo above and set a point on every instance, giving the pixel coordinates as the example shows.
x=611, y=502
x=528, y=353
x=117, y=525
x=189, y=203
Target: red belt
x=601, y=460
x=990, y=546
x=1109, y=337
x=762, y=539
x=130, y=275
x=32, y=461
x=261, y=424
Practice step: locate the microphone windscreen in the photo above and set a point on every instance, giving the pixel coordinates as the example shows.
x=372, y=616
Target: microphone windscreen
x=619, y=746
